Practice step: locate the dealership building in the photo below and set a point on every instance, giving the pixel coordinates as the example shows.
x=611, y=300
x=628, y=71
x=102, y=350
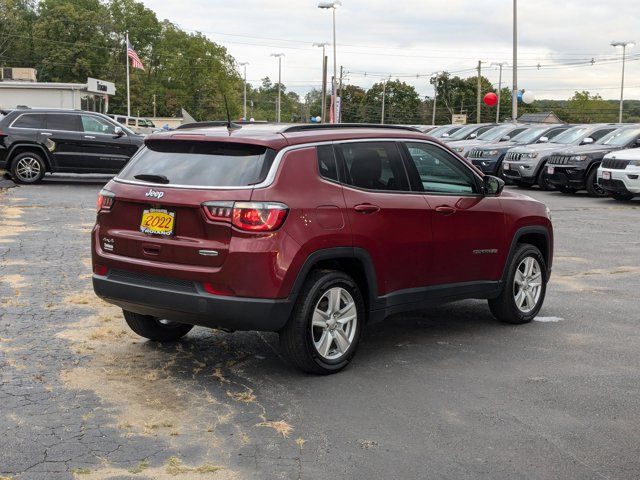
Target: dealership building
x=19, y=88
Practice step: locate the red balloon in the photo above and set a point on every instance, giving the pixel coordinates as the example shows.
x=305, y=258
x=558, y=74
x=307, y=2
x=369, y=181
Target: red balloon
x=490, y=99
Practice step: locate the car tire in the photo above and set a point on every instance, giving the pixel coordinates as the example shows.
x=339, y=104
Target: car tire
x=543, y=181
x=27, y=168
x=525, y=287
x=593, y=189
x=622, y=197
x=567, y=190
x=155, y=329
x=318, y=338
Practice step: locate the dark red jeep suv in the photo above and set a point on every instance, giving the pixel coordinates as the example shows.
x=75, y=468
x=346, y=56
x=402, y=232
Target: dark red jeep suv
x=313, y=232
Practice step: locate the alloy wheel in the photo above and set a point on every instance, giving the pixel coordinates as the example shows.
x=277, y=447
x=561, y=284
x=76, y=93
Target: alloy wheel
x=334, y=323
x=527, y=284
x=28, y=169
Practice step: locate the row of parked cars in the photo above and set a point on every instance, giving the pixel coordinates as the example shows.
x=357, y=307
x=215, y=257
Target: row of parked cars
x=599, y=158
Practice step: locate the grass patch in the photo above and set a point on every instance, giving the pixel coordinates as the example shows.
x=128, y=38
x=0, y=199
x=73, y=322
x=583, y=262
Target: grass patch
x=141, y=467
x=280, y=426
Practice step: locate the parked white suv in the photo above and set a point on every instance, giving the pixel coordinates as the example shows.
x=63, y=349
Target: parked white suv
x=619, y=174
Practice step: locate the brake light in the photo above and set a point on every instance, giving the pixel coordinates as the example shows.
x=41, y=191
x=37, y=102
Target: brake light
x=215, y=289
x=99, y=269
x=105, y=200
x=259, y=216
x=248, y=216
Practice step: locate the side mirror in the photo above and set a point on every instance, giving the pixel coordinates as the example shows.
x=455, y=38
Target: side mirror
x=473, y=135
x=637, y=141
x=587, y=141
x=543, y=140
x=493, y=186
x=445, y=135
x=506, y=138
x=118, y=132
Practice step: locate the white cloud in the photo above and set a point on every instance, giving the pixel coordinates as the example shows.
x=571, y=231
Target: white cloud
x=412, y=37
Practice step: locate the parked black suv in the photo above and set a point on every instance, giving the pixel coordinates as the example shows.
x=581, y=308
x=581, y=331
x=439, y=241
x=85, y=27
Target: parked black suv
x=577, y=168
x=36, y=141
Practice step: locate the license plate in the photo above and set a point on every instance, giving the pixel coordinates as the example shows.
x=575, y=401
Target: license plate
x=606, y=175
x=157, y=222
x=551, y=170
x=506, y=166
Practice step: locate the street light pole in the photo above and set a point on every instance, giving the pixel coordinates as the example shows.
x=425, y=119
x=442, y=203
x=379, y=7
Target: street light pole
x=501, y=64
x=244, y=115
x=624, y=46
x=324, y=80
x=514, y=97
x=333, y=5
x=278, y=105
x=435, y=99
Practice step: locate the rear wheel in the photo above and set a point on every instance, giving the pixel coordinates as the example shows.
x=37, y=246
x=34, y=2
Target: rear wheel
x=525, y=287
x=323, y=332
x=27, y=167
x=622, y=197
x=593, y=188
x=543, y=180
x=154, y=328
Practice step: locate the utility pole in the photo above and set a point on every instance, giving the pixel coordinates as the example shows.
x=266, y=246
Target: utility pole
x=435, y=101
x=278, y=104
x=244, y=110
x=624, y=46
x=501, y=64
x=384, y=92
x=479, y=101
x=514, y=93
x=339, y=107
x=324, y=80
x=154, y=105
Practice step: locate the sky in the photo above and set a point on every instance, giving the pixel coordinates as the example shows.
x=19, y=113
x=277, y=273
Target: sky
x=413, y=39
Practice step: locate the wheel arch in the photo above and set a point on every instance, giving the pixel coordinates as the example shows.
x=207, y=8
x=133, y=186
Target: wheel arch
x=355, y=262
x=28, y=147
x=539, y=237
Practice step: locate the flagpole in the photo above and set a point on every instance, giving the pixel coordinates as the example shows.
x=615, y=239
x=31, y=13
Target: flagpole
x=127, y=60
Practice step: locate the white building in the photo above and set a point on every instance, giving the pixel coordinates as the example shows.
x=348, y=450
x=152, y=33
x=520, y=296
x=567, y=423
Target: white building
x=93, y=95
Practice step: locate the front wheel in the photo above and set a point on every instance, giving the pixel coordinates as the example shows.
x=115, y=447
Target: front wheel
x=524, y=289
x=543, y=181
x=593, y=188
x=154, y=328
x=323, y=332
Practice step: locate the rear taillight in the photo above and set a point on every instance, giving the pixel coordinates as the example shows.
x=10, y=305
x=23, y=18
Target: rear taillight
x=99, y=269
x=248, y=216
x=105, y=200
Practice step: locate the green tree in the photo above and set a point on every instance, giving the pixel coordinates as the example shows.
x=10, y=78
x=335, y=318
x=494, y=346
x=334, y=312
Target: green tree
x=402, y=103
x=584, y=107
x=352, y=103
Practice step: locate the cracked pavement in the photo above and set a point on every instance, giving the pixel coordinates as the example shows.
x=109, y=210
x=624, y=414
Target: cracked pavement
x=446, y=393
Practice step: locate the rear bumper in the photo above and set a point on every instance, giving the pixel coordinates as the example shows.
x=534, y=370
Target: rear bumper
x=186, y=302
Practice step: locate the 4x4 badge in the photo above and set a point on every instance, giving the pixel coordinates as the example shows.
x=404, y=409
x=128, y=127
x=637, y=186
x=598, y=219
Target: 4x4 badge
x=154, y=194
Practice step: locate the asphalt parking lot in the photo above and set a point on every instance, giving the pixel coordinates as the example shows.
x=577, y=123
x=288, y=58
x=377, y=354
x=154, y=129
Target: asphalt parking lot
x=448, y=393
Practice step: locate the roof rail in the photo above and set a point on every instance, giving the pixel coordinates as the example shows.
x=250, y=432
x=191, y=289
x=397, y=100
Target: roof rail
x=330, y=126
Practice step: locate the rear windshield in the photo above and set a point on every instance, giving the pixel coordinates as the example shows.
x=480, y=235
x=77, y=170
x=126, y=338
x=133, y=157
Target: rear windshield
x=201, y=163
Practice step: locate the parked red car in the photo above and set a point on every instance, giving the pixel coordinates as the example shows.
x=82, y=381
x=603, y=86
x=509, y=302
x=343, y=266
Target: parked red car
x=313, y=232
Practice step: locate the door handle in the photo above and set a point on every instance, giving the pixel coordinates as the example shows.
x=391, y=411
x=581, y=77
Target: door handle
x=366, y=208
x=91, y=137
x=445, y=210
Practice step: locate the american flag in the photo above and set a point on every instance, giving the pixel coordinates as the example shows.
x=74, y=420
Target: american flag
x=135, y=59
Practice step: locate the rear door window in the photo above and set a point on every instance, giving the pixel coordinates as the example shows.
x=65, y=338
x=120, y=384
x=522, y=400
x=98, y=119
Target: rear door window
x=200, y=163
x=373, y=165
x=327, y=162
x=63, y=121
x=29, y=120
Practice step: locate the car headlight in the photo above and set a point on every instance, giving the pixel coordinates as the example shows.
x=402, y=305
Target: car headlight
x=491, y=153
x=530, y=155
x=458, y=149
x=634, y=163
x=578, y=158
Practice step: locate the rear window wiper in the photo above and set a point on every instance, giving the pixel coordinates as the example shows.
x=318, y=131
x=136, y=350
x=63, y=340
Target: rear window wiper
x=151, y=177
